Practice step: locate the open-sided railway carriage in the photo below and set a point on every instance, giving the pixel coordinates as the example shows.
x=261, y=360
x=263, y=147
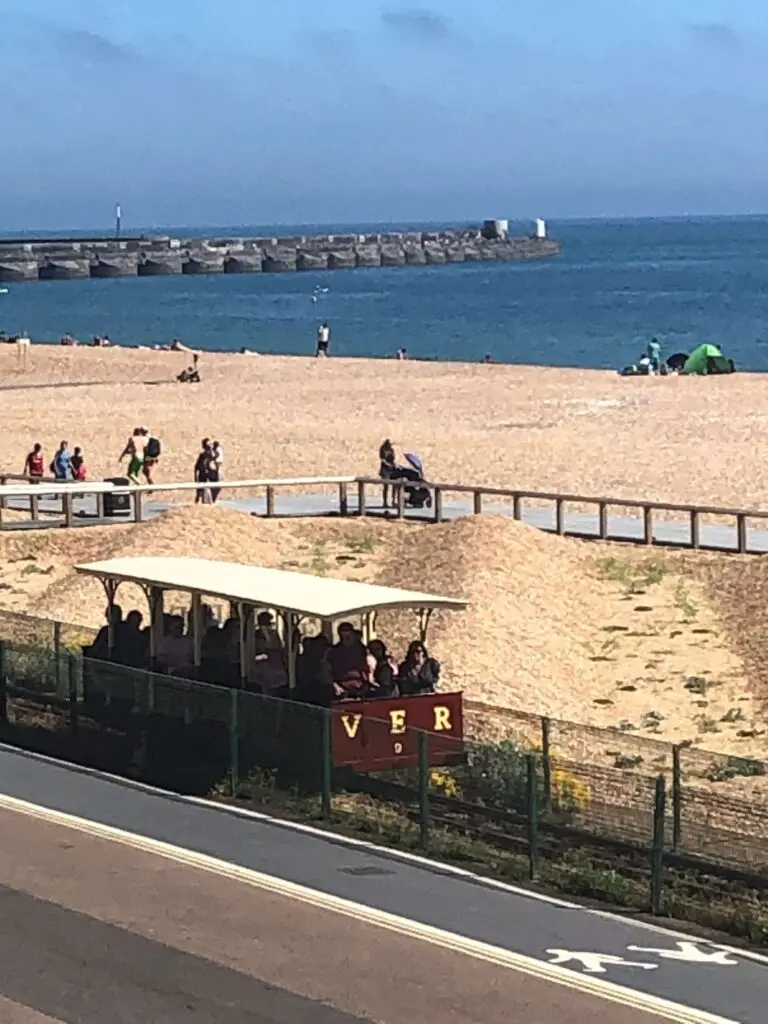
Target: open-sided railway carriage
x=365, y=735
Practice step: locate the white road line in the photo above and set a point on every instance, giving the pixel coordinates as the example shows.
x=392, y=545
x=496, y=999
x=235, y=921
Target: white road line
x=546, y=972
x=365, y=846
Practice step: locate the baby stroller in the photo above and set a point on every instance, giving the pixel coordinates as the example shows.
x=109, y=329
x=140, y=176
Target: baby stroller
x=415, y=497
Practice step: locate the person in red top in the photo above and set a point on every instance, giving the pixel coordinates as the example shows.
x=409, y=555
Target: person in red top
x=34, y=463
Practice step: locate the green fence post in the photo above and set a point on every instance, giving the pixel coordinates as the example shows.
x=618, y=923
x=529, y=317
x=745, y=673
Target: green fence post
x=677, y=799
x=424, y=788
x=72, y=688
x=546, y=763
x=327, y=765
x=657, y=850
x=3, y=684
x=532, y=810
x=57, y=656
x=234, y=741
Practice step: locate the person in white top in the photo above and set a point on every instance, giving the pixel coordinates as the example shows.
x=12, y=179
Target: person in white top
x=323, y=340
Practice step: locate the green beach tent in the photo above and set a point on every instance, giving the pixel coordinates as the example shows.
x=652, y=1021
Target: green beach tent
x=707, y=359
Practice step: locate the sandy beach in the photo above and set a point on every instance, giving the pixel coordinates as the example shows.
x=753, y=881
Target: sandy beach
x=679, y=439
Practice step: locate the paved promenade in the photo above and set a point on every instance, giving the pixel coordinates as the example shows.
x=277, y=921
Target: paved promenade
x=626, y=528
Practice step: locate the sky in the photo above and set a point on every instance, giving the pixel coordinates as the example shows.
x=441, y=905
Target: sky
x=226, y=112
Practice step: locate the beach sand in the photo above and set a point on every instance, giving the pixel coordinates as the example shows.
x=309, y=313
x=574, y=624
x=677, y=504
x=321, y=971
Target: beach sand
x=697, y=440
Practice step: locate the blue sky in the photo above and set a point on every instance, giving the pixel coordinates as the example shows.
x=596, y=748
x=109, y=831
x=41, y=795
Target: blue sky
x=264, y=111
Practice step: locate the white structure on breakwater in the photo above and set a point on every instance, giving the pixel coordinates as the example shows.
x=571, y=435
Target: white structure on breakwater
x=68, y=259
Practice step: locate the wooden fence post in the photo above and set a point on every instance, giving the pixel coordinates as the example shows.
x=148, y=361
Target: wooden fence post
x=361, y=509
x=270, y=500
x=695, y=531
x=741, y=534
x=478, y=503
x=438, y=505
x=343, y=500
x=648, y=525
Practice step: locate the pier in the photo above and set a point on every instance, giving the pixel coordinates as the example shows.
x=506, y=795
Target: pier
x=63, y=259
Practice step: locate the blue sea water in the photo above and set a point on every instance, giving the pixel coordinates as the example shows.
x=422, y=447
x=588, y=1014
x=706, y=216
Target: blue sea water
x=615, y=284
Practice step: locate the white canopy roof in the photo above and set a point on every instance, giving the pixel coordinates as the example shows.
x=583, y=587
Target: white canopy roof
x=318, y=597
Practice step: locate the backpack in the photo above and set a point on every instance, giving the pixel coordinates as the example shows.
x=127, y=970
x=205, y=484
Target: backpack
x=153, y=448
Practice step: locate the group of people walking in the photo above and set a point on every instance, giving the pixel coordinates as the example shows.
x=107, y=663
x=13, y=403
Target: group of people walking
x=65, y=465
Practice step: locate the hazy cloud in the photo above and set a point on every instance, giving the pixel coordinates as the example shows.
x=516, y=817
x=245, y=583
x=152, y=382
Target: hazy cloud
x=417, y=25
x=716, y=34
x=92, y=46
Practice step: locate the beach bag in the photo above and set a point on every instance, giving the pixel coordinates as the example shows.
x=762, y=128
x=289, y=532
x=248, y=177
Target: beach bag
x=154, y=448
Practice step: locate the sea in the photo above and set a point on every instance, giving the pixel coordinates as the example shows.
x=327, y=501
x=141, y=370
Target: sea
x=616, y=284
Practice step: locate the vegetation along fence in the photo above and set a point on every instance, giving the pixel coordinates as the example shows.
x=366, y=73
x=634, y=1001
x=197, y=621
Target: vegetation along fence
x=630, y=520
x=517, y=799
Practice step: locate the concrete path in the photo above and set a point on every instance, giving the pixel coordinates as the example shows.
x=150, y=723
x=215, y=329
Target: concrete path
x=620, y=528
x=266, y=940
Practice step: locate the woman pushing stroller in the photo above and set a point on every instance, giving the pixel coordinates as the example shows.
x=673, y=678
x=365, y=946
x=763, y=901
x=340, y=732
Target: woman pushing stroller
x=412, y=470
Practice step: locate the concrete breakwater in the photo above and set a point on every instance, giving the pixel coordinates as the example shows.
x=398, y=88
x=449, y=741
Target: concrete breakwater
x=69, y=259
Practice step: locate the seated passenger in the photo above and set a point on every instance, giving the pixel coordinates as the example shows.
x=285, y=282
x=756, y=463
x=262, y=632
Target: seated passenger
x=175, y=653
x=132, y=642
x=385, y=671
x=99, y=649
x=312, y=682
x=350, y=666
x=269, y=674
x=418, y=673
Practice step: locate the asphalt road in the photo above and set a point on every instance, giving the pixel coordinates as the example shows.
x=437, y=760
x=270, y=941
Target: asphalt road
x=649, y=960
x=94, y=931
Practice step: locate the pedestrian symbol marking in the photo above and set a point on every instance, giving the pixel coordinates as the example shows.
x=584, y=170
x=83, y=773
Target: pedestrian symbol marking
x=594, y=963
x=689, y=952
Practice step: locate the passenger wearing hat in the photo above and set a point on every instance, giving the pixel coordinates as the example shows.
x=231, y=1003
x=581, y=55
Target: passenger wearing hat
x=349, y=664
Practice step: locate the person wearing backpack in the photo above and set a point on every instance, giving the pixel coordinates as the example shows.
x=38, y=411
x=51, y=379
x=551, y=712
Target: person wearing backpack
x=152, y=453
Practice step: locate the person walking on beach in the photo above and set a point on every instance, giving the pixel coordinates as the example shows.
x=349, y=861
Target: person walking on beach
x=214, y=469
x=134, y=452
x=323, y=340
x=654, y=356
x=152, y=451
x=203, y=465
x=61, y=467
x=34, y=463
x=387, y=466
x=79, y=472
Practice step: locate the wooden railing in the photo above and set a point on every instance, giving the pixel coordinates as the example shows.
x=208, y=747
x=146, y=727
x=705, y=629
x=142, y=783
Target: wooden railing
x=354, y=498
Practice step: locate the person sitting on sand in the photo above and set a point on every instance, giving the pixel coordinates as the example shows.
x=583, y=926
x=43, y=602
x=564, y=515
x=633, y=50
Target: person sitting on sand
x=34, y=463
x=134, y=451
x=67, y=339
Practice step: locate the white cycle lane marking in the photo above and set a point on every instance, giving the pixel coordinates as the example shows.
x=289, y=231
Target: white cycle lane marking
x=594, y=963
x=686, y=952
x=689, y=952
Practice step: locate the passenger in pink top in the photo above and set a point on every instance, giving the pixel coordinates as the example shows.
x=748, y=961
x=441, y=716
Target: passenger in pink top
x=350, y=666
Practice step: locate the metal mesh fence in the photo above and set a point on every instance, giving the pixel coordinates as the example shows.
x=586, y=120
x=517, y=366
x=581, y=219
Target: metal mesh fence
x=595, y=781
